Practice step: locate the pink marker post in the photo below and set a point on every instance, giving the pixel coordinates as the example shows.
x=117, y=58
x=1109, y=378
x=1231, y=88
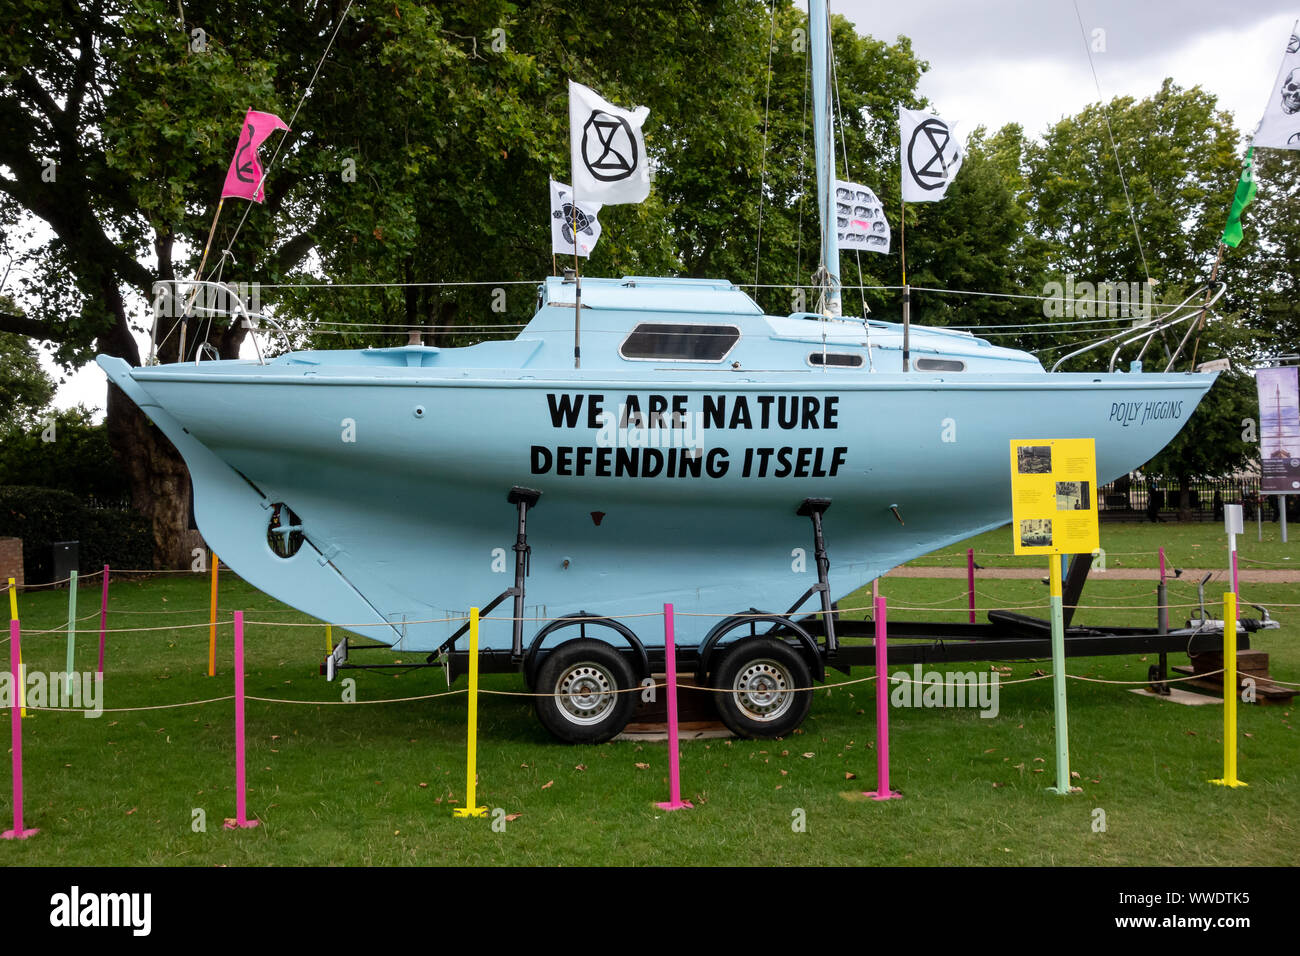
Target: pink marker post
x=1162, y=565
x=970, y=581
x=103, y=619
x=16, y=727
x=241, y=798
x=674, y=756
x=882, y=791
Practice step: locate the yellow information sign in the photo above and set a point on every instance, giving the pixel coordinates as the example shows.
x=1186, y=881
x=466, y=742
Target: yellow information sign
x=1054, y=496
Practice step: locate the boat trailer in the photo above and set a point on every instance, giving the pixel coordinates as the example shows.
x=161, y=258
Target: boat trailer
x=1005, y=636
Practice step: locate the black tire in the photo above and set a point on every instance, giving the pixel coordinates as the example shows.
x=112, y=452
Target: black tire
x=582, y=674
x=756, y=671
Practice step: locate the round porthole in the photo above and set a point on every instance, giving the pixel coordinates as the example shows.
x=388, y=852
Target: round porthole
x=419, y=411
x=284, y=532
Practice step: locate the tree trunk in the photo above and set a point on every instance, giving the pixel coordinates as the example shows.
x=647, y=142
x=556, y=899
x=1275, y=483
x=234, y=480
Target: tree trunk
x=160, y=483
x=1184, y=499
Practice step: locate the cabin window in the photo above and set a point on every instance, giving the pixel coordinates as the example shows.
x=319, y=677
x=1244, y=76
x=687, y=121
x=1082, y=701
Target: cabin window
x=836, y=359
x=940, y=365
x=653, y=341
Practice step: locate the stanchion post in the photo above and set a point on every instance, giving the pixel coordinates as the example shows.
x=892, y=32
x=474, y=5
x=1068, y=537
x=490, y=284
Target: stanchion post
x=103, y=620
x=241, y=778
x=471, y=808
x=882, y=791
x=1058, y=679
x=20, y=676
x=1232, y=524
x=1229, y=778
x=970, y=582
x=19, y=832
x=675, y=801
x=212, y=619
x=329, y=641
x=72, y=628
x=1162, y=565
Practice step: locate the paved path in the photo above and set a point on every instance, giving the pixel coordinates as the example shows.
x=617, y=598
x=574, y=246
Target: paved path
x=1190, y=575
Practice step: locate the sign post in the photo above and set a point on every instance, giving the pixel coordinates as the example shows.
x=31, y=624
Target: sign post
x=1054, y=513
x=1232, y=524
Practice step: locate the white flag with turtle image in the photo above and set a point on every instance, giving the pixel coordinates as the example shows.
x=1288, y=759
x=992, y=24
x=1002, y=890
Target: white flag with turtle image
x=931, y=155
x=1280, y=127
x=574, y=226
x=610, y=164
x=860, y=218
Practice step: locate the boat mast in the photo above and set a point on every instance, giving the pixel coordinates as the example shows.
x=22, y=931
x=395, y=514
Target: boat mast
x=828, y=276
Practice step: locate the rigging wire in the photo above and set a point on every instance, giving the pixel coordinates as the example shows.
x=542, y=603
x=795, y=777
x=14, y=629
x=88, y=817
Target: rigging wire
x=762, y=176
x=802, y=182
x=844, y=151
x=1105, y=115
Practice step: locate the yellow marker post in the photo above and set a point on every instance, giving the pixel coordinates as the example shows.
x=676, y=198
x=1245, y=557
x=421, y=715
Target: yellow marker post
x=329, y=641
x=1229, y=778
x=212, y=620
x=22, y=671
x=471, y=809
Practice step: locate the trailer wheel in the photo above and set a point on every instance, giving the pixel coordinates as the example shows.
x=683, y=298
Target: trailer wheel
x=584, y=675
x=759, y=675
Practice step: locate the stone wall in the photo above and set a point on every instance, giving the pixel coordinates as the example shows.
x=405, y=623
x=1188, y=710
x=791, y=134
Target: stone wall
x=11, y=560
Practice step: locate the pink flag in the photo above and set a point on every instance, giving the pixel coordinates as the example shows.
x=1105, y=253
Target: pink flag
x=244, y=178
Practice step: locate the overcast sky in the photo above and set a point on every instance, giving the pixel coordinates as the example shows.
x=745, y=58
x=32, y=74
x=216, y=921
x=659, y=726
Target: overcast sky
x=1024, y=61
x=994, y=62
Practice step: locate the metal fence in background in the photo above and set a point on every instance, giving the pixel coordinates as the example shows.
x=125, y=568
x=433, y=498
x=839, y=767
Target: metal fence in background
x=1161, y=499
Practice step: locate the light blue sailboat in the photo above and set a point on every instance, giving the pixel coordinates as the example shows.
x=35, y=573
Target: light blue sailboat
x=690, y=460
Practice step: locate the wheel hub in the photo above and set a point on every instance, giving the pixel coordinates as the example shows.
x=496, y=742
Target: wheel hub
x=585, y=693
x=763, y=690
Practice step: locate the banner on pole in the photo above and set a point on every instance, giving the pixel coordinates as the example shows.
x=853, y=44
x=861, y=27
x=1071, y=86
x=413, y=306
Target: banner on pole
x=860, y=218
x=1054, y=496
x=610, y=164
x=1279, y=429
x=1280, y=125
x=244, y=177
x=930, y=155
x=574, y=226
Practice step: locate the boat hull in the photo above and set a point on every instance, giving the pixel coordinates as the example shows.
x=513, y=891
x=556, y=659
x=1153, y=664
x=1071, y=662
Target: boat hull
x=400, y=483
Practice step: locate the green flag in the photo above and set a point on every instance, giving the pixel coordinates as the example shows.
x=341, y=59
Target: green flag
x=1245, y=193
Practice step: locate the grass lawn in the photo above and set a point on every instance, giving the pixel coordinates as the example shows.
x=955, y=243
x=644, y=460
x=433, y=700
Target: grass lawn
x=1135, y=544
x=358, y=784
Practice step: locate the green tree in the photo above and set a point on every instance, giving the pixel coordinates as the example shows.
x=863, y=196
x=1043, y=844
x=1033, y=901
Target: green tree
x=68, y=453
x=25, y=388
x=1275, y=269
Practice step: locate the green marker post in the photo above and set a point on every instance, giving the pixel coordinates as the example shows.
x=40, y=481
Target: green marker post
x=1058, y=678
x=72, y=624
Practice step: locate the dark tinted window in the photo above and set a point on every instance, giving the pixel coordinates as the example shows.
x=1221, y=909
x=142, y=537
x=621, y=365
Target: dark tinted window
x=836, y=359
x=683, y=343
x=940, y=365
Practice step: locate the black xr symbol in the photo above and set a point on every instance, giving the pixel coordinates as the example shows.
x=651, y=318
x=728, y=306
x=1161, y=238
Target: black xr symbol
x=244, y=168
x=617, y=145
x=933, y=173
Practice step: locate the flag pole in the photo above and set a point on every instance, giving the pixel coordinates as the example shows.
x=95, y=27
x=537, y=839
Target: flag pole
x=907, y=292
x=577, y=285
x=198, y=274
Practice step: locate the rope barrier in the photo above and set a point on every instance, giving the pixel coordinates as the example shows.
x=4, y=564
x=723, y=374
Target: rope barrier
x=640, y=688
